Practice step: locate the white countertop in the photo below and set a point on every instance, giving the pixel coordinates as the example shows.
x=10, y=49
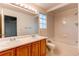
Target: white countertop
x=6, y=44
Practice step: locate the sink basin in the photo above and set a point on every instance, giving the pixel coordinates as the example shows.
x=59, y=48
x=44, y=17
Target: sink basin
x=3, y=43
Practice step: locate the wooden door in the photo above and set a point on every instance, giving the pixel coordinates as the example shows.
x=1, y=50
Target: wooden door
x=23, y=50
x=8, y=53
x=43, y=47
x=35, y=51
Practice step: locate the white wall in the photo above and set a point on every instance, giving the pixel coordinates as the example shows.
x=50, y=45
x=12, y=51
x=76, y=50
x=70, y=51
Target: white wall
x=23, y=21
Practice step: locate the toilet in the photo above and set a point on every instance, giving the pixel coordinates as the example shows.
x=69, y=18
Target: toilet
x=50, y=47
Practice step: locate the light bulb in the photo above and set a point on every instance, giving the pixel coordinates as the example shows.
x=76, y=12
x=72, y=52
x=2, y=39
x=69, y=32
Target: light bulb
x=64, y=22
x=21, y=5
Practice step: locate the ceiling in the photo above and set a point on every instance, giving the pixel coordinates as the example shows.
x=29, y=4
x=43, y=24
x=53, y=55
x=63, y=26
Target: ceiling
x=41, y=7
x=47, y=6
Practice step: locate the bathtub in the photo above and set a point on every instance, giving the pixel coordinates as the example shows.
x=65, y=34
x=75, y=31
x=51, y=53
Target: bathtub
x=58, y=48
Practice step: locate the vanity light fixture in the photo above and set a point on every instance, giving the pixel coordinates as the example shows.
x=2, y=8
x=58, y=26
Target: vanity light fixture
x=25, y=6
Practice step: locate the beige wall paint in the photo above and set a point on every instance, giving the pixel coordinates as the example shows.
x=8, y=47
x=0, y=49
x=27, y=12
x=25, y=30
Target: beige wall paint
x=50, y=25
x=43, y=32
x=0, y=27
x=23, y=21
x=78, y=28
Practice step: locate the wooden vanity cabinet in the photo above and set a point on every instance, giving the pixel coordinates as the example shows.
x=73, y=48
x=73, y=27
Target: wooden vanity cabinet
x=24, y=50
x=43, y=47
x=37, y=48
x=10, y=52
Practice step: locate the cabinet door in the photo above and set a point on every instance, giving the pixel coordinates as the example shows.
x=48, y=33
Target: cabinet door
x=35, y=51
x=8, y=53
x=23, y=50
x=43, y=47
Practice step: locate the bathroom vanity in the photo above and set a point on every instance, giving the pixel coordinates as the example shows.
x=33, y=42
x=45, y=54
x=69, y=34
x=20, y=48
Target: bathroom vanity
x=12, y=44
x=24, y=46
x=12, y=25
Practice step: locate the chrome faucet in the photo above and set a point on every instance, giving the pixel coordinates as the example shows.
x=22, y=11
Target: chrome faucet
x=12, y=39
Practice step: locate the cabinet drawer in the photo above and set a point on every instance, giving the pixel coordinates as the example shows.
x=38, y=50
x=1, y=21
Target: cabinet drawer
x=8, y=53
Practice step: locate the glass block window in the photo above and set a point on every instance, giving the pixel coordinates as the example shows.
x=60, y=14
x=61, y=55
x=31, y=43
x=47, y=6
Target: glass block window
x=42, y=21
